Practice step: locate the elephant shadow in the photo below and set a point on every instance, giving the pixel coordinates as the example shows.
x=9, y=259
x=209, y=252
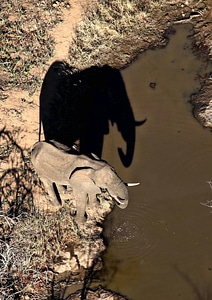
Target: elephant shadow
x=76, y=107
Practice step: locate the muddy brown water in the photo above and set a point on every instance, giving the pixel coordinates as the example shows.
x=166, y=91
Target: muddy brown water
x=160, y=247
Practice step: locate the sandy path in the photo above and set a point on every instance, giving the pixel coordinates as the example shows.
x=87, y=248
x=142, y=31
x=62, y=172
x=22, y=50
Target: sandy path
x=20, y=111
x=63, y=33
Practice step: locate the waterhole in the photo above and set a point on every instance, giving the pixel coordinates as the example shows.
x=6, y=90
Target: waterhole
x=160, y=246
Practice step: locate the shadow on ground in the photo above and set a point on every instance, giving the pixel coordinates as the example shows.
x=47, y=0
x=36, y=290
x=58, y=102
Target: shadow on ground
x=77, y=106
x=16, y=175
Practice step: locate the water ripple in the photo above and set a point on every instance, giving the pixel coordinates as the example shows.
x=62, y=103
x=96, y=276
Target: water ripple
x=129, y=231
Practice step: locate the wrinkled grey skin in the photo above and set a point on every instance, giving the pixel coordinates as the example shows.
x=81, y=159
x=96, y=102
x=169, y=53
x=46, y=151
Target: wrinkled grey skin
x=86, y=176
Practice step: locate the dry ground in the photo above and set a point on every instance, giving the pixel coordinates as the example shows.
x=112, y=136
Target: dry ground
x=33, y=39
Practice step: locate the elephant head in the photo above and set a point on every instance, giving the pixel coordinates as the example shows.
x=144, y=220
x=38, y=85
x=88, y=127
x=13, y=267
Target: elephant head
x=104, y=177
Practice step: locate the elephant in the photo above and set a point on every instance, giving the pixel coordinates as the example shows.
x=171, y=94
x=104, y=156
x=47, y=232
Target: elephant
x=87, y=176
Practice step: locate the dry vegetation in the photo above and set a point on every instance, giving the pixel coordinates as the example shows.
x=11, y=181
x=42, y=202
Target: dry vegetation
x=117, y=31
x=31, y=241
x=114, y=32
x=202, y=40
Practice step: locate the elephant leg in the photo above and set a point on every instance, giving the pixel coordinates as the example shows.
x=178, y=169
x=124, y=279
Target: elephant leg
x=84, y=192
x=51, y=188
x=81, y=203
x=93, y=202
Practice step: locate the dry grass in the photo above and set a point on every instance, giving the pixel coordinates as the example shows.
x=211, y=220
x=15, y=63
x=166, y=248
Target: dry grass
x=116, y=31
x=202, y=38
x=30, y=247
x=202, y=45
x=31, y=242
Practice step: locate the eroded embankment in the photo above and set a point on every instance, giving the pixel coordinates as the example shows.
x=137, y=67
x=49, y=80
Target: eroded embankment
x=202, y=42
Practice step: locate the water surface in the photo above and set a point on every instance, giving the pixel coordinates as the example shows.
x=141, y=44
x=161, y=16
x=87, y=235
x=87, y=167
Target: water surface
x=160, y=246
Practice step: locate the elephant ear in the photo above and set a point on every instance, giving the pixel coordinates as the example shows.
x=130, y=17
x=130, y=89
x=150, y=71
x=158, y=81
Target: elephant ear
x=85, y=162
x=83, y=171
